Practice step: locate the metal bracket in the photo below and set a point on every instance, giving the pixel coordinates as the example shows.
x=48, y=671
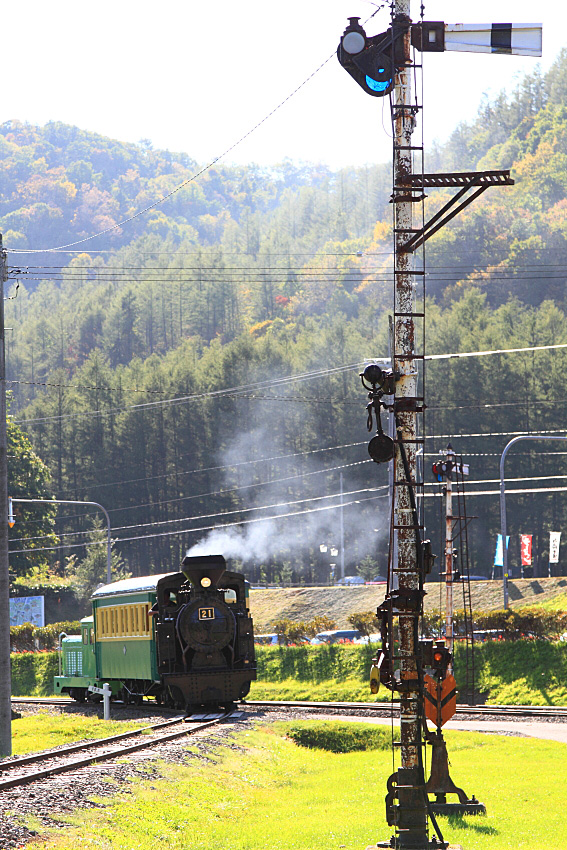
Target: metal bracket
x=482, y=180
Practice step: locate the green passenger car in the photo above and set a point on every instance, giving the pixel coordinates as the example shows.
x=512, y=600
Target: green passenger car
x=116, y=645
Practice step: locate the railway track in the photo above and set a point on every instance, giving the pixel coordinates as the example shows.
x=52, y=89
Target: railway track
x=502, y=711
x=14, y=772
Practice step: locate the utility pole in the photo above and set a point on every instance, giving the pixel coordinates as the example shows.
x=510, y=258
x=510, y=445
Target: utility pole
x=342, y=529
x=449, y=555
x=412, y=826
x=5, y=675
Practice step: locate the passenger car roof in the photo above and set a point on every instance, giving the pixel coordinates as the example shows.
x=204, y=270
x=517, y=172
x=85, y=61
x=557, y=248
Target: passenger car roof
x=130, y=585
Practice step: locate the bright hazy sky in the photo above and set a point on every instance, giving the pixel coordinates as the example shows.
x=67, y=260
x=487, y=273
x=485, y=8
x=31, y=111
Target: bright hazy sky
x=194, y=77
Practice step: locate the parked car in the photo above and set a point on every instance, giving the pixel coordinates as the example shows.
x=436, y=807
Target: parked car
x=337, y=636
x=350, y=580
x=267, y=640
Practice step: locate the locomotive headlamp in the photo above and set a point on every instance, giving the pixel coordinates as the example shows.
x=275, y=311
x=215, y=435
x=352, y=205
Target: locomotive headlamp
x=205, y=581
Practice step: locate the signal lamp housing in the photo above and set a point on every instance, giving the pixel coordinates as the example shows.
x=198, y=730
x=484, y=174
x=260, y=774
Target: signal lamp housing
x=381, y=448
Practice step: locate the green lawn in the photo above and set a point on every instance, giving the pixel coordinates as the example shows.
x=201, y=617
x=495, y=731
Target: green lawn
x=44, y=731
x=272, y=794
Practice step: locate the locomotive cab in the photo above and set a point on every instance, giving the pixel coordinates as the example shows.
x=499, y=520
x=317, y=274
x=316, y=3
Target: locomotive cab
x=205, y=644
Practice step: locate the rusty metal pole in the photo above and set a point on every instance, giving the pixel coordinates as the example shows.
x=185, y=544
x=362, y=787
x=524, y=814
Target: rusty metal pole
x=412, y=816
x=449, y=554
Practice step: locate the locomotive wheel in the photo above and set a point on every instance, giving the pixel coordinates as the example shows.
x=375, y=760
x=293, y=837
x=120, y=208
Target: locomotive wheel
x=78, y=694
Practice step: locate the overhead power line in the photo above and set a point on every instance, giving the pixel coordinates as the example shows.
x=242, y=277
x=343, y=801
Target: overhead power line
x=272, y=383
x=182, y=185
x=178, y=533
x=240, y=510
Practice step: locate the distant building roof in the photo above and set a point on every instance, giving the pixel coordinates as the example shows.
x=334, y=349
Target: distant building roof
x=129, y=585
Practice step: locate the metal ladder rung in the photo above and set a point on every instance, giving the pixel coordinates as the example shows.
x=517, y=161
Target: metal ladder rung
x=409, y=528
x=409, y=356
x=415, y=315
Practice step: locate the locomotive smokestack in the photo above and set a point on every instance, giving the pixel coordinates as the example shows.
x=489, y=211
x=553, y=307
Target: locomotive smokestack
x=204, y=570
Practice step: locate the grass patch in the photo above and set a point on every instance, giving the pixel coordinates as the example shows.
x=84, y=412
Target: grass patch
x=281, y=796
x=339, y=737
x=44, y=731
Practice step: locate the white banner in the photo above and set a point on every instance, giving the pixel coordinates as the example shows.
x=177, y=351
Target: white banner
x=554, y=538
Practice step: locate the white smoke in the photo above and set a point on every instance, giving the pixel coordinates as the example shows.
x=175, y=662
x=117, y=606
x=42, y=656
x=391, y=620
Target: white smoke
x=291, y=537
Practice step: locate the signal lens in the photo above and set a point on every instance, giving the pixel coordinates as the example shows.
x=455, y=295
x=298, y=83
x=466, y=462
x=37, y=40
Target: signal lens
x=205, y=581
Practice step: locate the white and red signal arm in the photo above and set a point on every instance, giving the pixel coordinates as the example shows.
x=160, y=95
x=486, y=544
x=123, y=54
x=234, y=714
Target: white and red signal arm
x=512, y=39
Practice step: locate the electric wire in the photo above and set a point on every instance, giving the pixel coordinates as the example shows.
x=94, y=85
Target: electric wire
x=194, y=176
x=204, y=528
x=276, y=382
x=157, y=524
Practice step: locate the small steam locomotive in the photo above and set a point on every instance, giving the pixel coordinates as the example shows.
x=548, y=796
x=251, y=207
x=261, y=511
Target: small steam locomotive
x=184, y=638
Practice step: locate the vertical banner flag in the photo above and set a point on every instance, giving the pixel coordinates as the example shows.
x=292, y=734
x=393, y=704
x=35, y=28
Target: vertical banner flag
x=526, y=549
x=554, y=538
x=499, y=554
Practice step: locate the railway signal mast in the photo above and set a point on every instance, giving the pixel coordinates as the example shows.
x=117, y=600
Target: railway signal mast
x=382, y=65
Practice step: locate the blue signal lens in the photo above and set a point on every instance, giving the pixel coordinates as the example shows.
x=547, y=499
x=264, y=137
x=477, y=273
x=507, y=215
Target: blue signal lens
x=377, y=86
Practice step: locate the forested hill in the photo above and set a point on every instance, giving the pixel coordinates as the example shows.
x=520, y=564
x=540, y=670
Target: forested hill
x=61, y=184
x=148, y=370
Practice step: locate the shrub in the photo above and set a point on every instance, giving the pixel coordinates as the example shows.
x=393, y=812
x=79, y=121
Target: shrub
x=23, y=638
x=365, y=621
x=319, y=624
x=33, y=672
x=296, y=632
x=341, y=737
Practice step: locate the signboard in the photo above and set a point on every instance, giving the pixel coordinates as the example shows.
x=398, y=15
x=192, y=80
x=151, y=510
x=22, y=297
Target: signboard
x=526, y=549
x=27, y=609
x=554, y=538
x=499, y=554
x=440, y=699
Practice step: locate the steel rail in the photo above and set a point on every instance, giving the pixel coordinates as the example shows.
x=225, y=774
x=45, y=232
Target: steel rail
x=385, y=707
x=11, y=763
x=33, y=776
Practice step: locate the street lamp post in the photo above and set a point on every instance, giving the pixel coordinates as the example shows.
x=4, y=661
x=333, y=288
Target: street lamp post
x=72, y=502
x=503, y=529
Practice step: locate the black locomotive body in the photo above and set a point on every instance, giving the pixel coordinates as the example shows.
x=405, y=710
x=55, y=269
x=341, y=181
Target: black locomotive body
x=204, y=634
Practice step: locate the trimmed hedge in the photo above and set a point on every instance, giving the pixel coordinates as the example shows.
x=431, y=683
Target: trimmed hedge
x=521, y=671
x=514, y=623
x=33, y=672
x=28, y=638
x=314, y=663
